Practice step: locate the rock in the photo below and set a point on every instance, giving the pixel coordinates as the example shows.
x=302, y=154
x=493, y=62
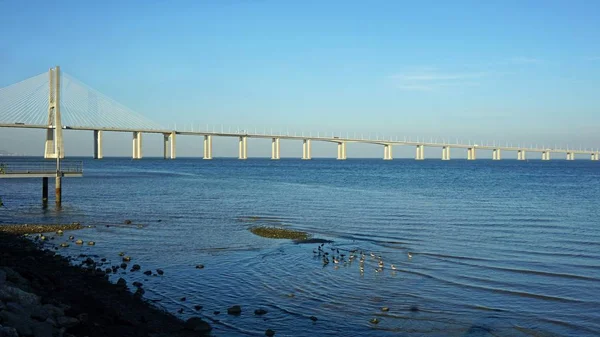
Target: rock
x=183, y=299
x=198, y=307
x=414, y=308
x=234, y=310
x=199, y=266
x=159, y=271
x=124, y=265
x=385, y=309
x=269, y=333
x=64, y=245
x=180, y=310
x=139, y=292
x=137, y=284
x=108, y=270
x=216, y=312
x=126, y=258
x=8, y=332
x=89, y=261
x=135, y=267
x=9, y=293
x=59, y=232
x=374, y=321
x=71, y=237
x=83, y=317
x=128, y=222
x=79, y=242
x=196, y=324
x=148, y=272
x=53, y=310
x=20, y=323
x=260, y=312
x=16, y=308
x=121, y=282
x=39, y=313
x=42, y=329
x=313, y=318
x=122, y=254
x=91, y=243
x=67, y=322
x=42, y=238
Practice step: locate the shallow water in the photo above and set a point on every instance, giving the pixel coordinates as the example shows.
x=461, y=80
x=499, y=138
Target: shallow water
x=498, y=248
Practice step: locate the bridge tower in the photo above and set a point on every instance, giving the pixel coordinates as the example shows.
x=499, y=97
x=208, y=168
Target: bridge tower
x=54, y=140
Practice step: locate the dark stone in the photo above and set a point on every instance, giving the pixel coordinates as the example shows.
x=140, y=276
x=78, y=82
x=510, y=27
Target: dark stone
x=159, y=271
x=103, y=259
x=260, y=311
x=198, y=307
x=269, y=333
x=313, y=318
x=139, y=292
x=414, y=308
x=148, y=272
x=216, y=312
x=128, y=222
x=108, y=270
x=137, y=284
x=196, y=324
x=135, y=267
x=199, y=266
x=183, y=299
x=88, y=261
x=124, y=265
x=121, y=282
x=234, y=310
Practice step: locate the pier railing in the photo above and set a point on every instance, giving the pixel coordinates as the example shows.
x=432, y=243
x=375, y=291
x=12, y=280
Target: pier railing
x=26, y=168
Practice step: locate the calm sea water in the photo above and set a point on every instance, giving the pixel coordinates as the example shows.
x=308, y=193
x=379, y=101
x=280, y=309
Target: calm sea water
x=498, y=248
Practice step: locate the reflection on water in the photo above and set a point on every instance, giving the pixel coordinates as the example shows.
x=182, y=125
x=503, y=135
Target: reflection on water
x=496, y=248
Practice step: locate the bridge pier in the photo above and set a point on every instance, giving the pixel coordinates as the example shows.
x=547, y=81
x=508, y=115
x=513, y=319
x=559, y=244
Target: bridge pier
x=420, y=153
x=341, y=155
x=387, y=152
x=595, y=156
x=306, y=150
x=173, y=137
x=275, y=148
x=471, y=154
x=137, y=145
x=496, y=154
x=207, y=147
x=243, y=148
x=446, y=153
x=570, y=156
x=45, y=192
x=98, y=144
x=521, y=155
x=546, y=155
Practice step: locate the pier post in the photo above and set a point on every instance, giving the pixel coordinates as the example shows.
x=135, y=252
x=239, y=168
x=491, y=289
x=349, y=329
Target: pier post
x=98, y=144
x=165, y=141
x=243, y=148
x=137, y=145
x=341, y=151
x=420, y=153
x=471, y=154
x=446, y=153
x=306, y=149
x=173, y=144
x=496, y=154
x=45, y=192
x=275, y=148
x=521, y=155
x=207, y=147
x=387, y=152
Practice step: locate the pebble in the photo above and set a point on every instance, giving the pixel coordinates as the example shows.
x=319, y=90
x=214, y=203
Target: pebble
x=385, y=309
x=79, y=242
x=234, y=310
x=136, y=267
x=148, y=272
x=126, y=258
x=269, y=333
x=122, y=254
x=374, y=321
x=313, y=318
x=260, y=312
x=71, y=237
x=59, y=232
x=199, y=266
x=123, y=265
x=128, y=222
x=64, y=244
x=159, y=271
x=137, y=284
x=198, y=307
x=91, y=243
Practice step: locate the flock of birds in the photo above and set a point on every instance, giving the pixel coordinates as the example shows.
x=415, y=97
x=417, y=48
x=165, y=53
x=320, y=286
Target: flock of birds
x=339, y=259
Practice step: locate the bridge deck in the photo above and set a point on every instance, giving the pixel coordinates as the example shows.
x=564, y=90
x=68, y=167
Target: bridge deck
x=37, y=169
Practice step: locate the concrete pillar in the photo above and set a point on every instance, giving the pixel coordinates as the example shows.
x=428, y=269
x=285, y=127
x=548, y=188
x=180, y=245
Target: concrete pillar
x=58, y=189
x=471, y=154
x=243, y=148
x=387, y=152
x=275, y=154
x=546, y=155
x=306, y=149
x=135, y=148
x=173, y=144
x=45, y=191
x=165, y=141
x=496, y=154
x=593, y=156
x=420, y=152
x=207, y=147
x=139, y=145
x=98, y=144
x=570, y=156
x=446, y=153
x=341, y=151
x=521, y=155
x=54, y=145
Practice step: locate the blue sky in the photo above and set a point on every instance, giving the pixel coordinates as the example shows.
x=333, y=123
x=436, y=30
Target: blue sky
x=521, y=71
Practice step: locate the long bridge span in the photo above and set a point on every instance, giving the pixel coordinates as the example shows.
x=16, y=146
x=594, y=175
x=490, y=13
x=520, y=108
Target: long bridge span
x=56, y=102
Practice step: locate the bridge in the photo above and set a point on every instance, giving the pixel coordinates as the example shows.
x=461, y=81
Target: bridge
x=56, y=101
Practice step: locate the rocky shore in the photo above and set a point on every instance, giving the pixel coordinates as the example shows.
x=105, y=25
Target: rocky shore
x=43, y=295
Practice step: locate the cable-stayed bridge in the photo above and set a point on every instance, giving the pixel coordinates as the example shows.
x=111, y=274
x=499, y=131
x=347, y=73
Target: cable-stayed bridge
x=56, y=101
